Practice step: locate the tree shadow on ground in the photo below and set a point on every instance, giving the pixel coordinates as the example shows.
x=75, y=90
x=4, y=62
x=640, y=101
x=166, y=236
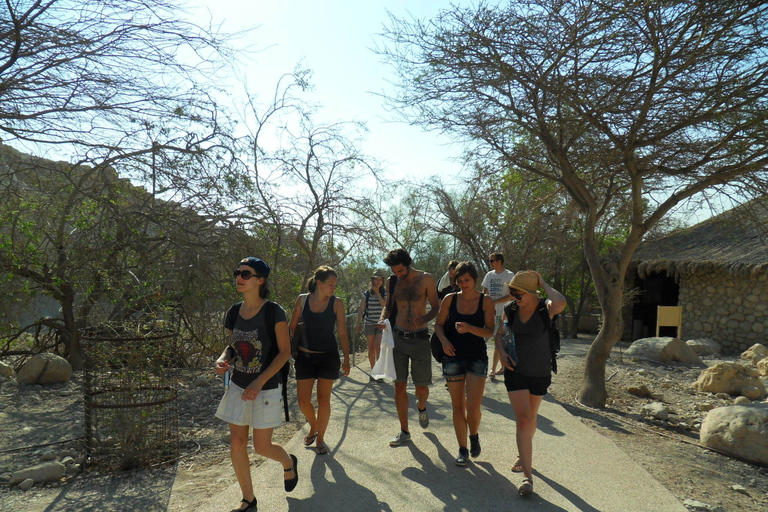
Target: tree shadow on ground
x=147, y=491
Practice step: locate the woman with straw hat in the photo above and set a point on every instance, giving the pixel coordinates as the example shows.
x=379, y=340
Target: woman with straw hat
x=527, y=373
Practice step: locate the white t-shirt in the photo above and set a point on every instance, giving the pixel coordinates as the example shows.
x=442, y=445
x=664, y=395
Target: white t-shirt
x=495, y=282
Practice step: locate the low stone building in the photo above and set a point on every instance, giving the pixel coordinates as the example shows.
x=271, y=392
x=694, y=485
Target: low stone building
x=716, y=270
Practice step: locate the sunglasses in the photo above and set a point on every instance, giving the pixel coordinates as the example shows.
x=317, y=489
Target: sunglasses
x=517, y=295
x=245, y=274
x=491, y=261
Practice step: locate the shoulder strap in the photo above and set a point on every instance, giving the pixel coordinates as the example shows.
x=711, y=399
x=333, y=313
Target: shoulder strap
x=510, y=310
x=544, y=313
x=480, y=303
x=232, y=314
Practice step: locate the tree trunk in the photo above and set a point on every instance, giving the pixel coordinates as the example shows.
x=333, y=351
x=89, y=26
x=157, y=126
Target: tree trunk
x=593, y=392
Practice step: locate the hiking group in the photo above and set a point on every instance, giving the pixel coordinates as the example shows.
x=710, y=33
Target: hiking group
x=509, y=310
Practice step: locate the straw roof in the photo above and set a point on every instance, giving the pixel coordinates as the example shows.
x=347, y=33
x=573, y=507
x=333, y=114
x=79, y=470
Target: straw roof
x=735, y=241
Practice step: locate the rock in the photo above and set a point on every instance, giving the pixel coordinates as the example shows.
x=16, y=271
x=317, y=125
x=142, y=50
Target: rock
x=663, y=350
x=724, y=396
x=732, y=378
x=696, y=506
x=26, y=484
x=656, y=410
x=659, y=397
x=641, y=391
x=46, y=472
x=67, y=460
x=755, y=353
x=49, y=455
x=740, y=488
x=742, y=400
x=72, y=469
x=201, y=380
x=45, y=369
x=6, y=371
x=704, y=346
x=704, y=407
x=762, y=367
x=739, y=430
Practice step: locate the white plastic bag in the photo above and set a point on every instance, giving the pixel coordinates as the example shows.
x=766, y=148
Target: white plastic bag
x=385, y=366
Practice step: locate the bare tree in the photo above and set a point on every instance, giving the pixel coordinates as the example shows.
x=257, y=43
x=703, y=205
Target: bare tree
x=648, y=104
x=306, y=180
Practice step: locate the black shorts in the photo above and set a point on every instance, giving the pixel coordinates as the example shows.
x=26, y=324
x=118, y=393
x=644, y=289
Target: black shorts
x=324, y=365
x=535, y=385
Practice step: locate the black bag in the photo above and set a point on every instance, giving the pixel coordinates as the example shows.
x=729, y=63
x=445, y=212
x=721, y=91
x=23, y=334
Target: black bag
x=298, y=333
x=550, y=325
x=437, y=348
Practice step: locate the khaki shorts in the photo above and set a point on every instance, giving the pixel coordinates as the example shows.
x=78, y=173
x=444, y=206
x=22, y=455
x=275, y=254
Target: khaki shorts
x=416, y=351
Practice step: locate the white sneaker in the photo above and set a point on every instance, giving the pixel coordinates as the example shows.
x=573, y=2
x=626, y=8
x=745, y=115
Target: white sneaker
x=400, y=438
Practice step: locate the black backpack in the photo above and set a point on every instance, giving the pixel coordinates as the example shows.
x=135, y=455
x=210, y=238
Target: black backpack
x=273, y=349
x=550, y=325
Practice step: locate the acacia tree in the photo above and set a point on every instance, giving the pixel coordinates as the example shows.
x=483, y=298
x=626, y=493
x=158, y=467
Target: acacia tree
x=107, y=84
x=614, y=101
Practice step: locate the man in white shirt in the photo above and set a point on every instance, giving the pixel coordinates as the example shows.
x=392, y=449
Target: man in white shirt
x=494, y=284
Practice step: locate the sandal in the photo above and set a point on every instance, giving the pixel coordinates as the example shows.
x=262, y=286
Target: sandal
x=517, y=467
x=308, y=440
x=251, y=506
x=290, y=484
x=526, y=488
x=321, y=449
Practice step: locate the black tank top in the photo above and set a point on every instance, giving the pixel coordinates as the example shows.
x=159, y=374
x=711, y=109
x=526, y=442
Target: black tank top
x=469, y=346
x=318, y=328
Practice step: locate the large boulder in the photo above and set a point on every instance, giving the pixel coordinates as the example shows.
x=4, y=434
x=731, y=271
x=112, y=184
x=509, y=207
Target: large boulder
x=762, y=367
x=47, y=472
x=739, y=430
x=704, y=346
x=45, y=369
x=6, y=371
x=663, y=350
x=732, y=378
x=755, y=353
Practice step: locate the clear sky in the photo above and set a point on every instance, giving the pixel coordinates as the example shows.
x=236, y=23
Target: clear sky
x=335, y=39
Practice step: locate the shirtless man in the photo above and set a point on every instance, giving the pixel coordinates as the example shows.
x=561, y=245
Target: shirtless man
x=407, y=310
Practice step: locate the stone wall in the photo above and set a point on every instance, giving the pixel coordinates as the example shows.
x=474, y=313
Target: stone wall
x=727, y=308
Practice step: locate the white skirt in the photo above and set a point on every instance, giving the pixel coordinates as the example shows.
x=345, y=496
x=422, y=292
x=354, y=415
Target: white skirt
x=262, y=413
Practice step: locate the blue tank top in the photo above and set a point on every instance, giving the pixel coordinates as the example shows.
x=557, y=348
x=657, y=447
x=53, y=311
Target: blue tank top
x=467, y=345
x=318, y=328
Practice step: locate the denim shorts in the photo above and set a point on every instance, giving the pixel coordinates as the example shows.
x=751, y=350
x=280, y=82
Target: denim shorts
x=458, y=366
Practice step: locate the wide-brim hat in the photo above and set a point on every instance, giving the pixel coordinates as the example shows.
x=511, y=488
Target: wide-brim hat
x=526, y=281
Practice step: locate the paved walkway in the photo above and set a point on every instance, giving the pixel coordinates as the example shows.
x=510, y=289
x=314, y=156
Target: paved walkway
x=575, y=468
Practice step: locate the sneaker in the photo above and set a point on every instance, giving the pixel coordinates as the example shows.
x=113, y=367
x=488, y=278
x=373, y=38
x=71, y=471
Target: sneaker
x=400, y=438
x=474, y=445
x=423, y=418
x=461, y=460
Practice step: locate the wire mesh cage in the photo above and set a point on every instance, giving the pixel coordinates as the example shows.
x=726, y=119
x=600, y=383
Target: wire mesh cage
x=130, y=396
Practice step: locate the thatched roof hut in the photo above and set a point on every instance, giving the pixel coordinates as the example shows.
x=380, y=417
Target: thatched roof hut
x=716, y=270
x=735, y=241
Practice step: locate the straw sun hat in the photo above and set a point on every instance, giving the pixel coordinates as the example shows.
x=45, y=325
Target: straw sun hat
x=525, y=281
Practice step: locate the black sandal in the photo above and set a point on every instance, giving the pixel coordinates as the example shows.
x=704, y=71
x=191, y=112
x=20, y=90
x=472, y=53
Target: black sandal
x=252, y=506
x=290, y=484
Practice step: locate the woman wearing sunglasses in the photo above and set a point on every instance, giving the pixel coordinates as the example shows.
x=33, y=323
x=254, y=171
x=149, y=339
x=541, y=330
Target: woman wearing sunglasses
x=466, y=318
x=528, y=378
x=318, y=355
x=254, y=397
